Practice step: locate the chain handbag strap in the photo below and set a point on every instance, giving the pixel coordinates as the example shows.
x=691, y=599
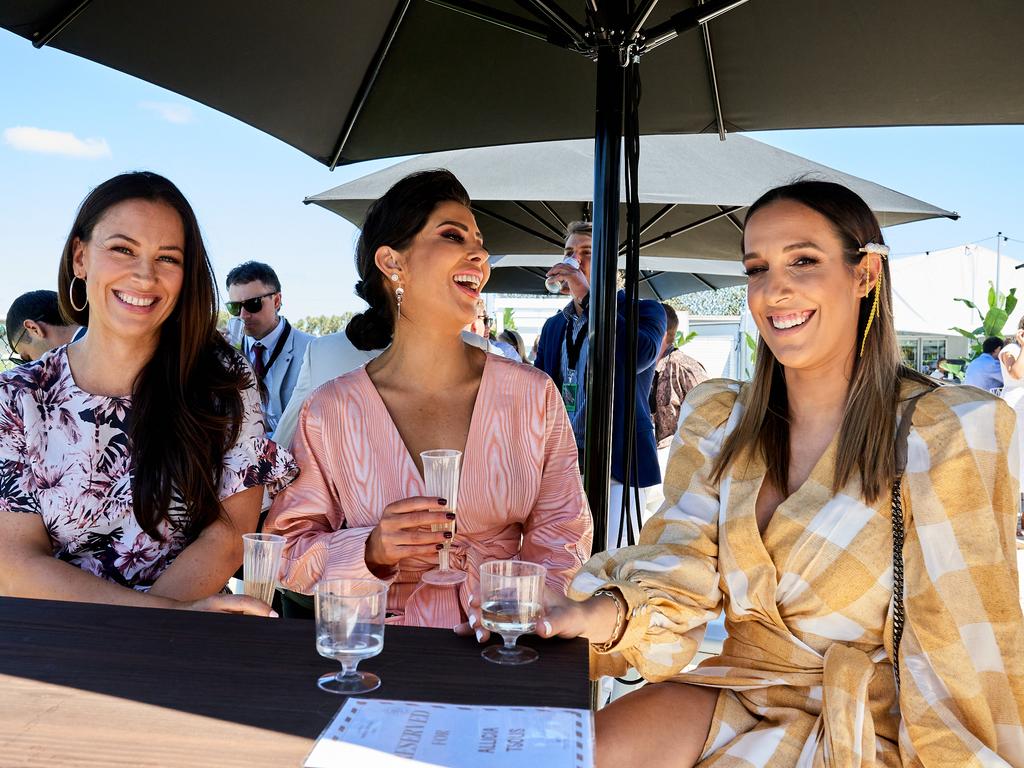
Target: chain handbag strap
x=898, y=535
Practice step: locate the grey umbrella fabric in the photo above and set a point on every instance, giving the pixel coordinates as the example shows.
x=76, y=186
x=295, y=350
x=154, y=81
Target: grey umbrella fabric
x=309, y=73
x=660, y=278
x=523, y=194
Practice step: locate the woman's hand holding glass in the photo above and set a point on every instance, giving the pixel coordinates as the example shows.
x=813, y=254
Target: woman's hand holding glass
x=594, y=618
x=404, y=532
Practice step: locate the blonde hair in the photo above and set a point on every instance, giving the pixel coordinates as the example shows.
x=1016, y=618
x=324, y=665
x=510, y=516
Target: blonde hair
x=869, y=419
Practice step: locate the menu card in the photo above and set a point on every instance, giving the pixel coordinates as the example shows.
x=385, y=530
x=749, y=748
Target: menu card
x=380, y=733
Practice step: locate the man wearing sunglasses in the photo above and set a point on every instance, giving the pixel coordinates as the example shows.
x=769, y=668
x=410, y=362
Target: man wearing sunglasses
x=35, y=326
x=274, y=348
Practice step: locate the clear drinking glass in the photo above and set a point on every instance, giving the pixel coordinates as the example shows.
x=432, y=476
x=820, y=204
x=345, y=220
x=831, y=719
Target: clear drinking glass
x=441, y=476
x=261, y=562
x=510, y=604
x=350, y=628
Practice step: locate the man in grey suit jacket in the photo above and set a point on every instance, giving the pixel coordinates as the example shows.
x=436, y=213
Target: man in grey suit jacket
x=274, y=348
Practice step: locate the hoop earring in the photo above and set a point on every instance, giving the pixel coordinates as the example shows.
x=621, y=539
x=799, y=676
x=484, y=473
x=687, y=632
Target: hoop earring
x=71, y=295
x=872, y=315
x=399, y=295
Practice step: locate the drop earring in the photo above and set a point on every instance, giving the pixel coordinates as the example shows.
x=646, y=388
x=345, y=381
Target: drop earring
x=399, y=294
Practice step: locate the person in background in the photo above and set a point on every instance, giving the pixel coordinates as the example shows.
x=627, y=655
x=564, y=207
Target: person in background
x=481, y=327
x=35, y=326
x=562, y=353
x=1012, y=365
x=779, y=510
x=274, y=348
x=940, y=373
x=983, y=371
x=132, y=461
x=359, y=507
x=675, y=374
x=514, y=340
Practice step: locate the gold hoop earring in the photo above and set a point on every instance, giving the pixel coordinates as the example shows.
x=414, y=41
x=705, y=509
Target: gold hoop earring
x=871, y=315
x=399, y=295
x=71, y=295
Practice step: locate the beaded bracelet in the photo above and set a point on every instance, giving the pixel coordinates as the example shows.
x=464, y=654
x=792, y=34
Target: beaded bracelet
x=620, y=620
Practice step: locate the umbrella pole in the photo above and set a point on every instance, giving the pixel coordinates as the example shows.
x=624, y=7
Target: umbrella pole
x=597, y=457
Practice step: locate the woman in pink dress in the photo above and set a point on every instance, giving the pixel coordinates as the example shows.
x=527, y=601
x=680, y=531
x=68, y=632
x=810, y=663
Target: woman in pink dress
x=358, y=508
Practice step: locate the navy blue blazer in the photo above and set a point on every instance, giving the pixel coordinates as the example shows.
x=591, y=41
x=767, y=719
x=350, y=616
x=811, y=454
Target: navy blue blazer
x=651, y=332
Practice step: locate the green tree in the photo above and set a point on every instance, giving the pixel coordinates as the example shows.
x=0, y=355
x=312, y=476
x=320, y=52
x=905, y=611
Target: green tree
x=509, y=319
x=682, y=340
x=993, y=320
x=321, y=325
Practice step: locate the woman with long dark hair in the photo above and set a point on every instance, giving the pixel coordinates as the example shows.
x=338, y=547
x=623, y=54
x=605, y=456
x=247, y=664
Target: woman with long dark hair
x=854, y=522
x=133, y=460
x=359, y=507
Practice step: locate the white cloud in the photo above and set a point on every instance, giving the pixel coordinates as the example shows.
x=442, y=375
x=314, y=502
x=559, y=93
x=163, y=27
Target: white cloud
x=28, y=139
x=170, y=111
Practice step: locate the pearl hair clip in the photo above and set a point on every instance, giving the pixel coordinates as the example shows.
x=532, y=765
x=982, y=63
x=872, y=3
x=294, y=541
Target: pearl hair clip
x=881, y=250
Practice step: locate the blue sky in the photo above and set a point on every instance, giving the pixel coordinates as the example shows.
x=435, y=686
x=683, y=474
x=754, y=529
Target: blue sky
x=247, y=187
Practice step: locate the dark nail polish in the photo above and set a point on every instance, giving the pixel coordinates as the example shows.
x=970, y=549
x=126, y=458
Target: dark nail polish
x=440, y=547
x=450, y=515
x=447, y=534
x=443, y=502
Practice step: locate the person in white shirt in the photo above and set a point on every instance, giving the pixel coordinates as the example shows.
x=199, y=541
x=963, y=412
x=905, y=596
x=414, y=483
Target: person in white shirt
x=274, y=348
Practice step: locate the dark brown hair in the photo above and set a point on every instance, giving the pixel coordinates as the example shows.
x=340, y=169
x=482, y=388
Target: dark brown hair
x=186, y=401
x=869, y=420
x=394, y=220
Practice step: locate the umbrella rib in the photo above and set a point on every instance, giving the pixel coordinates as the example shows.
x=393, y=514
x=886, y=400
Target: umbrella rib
x=43, y=38
x=709, y=58
x=700, y=279
x=662, y=213
x=686, y=20
x=557, y=17
x=369, y=78
x=555, y=216
x=516, y=225
x=640, y=17
x=509, y=21
x=689, y=227
x=732, y=219
x=539, y=219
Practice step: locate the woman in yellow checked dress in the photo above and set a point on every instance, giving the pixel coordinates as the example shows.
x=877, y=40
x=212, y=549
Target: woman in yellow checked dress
x=778, y=510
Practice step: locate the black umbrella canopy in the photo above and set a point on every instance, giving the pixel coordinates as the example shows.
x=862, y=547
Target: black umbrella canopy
x=361, y=79
x=694, y=194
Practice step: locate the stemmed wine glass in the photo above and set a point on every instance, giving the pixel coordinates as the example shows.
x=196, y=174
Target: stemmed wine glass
x=510, y=604
x=441, y=477
x=350, y=628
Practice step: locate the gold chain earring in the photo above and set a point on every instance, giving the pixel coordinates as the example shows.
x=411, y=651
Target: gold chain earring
x=883, y=253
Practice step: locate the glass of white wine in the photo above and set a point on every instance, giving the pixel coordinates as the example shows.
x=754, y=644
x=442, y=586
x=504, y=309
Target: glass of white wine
x=350, y=628
x=510, y=604
x=441, y=471
x=261, y=562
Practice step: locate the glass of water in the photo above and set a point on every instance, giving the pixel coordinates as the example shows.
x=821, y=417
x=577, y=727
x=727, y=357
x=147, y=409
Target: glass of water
x=350, y=628
x=510, y=604
x=261, y=562
x=441, y=470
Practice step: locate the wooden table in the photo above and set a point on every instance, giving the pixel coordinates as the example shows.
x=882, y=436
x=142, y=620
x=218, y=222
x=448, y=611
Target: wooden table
x=100, y=685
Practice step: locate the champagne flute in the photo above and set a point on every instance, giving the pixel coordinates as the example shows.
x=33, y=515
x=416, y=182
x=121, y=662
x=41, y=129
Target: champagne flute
x=261, y=563
x=441, y=477
x=510, y=604
x=350, y=628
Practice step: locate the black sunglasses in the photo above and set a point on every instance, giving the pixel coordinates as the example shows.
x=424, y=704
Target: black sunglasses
x=253, y=305
x=14, y=357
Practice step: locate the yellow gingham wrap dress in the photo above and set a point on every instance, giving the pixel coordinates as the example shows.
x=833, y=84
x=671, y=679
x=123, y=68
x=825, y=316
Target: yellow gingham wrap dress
x=805, y=673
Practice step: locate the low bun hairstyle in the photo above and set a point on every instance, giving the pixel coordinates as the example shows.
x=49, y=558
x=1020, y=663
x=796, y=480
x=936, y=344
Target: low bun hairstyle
x=394, y=220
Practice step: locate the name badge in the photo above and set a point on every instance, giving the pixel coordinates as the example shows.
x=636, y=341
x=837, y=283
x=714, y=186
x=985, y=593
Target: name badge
x=569, y=392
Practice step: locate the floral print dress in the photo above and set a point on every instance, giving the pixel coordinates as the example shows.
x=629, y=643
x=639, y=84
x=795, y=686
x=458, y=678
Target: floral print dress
x=65, y=456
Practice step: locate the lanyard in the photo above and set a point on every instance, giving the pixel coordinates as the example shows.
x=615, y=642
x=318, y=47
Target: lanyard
x=573, y=347
x=278, y=347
